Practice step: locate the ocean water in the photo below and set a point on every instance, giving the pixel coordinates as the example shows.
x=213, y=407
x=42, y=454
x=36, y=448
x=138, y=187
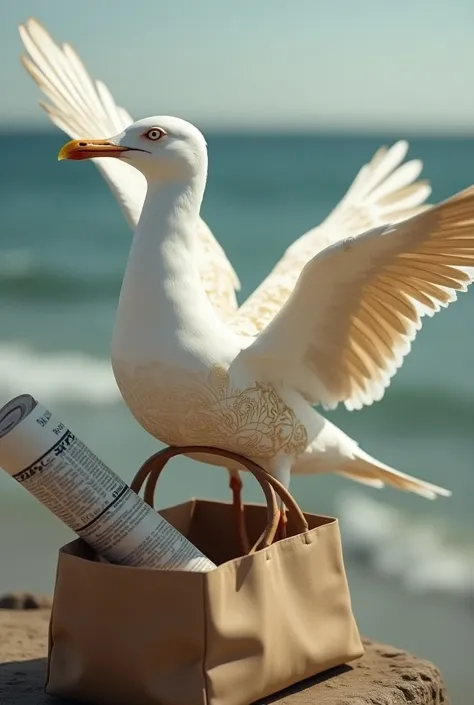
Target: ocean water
x=63, y=249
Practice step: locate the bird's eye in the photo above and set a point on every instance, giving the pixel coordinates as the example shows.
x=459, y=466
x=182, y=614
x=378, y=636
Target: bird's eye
x=156, y=133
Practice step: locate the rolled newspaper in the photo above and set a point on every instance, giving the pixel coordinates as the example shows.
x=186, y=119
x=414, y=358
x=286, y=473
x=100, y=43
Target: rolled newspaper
x=46, y=458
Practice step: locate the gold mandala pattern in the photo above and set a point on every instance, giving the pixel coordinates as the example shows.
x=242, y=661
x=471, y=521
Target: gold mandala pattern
x=207, y=410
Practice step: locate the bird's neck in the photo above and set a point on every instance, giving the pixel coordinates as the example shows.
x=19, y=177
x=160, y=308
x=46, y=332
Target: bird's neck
x=162, y=293
x=169, y=214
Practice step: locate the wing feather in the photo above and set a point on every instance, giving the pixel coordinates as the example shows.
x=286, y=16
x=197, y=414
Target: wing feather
x=384, y=191
x=357, y=306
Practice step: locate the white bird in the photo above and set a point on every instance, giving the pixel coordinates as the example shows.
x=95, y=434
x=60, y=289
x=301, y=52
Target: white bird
x=384, y=191
x=190, y=378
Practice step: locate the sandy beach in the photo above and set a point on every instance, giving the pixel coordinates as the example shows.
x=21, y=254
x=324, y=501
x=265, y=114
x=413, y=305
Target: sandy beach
x=23, y=651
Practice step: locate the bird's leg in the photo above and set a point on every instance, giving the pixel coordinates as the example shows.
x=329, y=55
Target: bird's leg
x=235, y=484
x=282, y=471
x=281, y=531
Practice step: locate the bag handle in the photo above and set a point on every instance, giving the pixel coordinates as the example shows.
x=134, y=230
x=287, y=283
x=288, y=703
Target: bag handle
x=151, y=471
x=152, y=468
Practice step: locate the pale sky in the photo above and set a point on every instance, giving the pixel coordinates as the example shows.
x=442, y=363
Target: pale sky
x=286, y=64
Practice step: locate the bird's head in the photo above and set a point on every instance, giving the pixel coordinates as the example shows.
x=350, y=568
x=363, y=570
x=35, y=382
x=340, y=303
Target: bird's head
x=162, y=148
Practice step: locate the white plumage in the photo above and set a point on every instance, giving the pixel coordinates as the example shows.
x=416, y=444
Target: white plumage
x=346, y=318
x=338, y=338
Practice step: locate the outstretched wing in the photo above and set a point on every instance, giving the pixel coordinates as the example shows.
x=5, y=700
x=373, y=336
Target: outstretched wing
x=82, y=107
x=382, y=192
x=358, y=305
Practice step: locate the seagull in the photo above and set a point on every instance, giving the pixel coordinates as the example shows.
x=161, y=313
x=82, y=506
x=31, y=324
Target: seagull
x=384, y=191
x=190, y=378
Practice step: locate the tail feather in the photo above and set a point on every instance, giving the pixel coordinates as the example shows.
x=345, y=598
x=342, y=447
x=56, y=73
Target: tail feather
x=364, y=479
x=365, y=469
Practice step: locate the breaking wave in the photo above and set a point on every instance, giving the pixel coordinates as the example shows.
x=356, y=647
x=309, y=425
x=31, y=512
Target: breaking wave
x=24, y=279
x=394, y=544
x=52, y=377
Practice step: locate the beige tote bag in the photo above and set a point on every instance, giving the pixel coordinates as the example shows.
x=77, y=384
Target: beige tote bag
x=258, y=623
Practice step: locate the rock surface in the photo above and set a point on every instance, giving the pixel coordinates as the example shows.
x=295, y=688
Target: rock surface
x=24, y=601
x=383, y=676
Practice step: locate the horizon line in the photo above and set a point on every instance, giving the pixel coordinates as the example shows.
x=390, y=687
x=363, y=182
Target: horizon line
x=275, y=130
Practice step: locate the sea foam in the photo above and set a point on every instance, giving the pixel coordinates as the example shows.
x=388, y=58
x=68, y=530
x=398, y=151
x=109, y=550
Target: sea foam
x=410, y=549
x=72, y=377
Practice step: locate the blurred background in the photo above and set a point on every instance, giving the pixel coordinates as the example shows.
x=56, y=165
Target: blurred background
x=293, y=99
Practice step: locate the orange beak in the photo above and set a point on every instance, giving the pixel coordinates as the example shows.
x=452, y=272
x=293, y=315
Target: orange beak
x=89, y=149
